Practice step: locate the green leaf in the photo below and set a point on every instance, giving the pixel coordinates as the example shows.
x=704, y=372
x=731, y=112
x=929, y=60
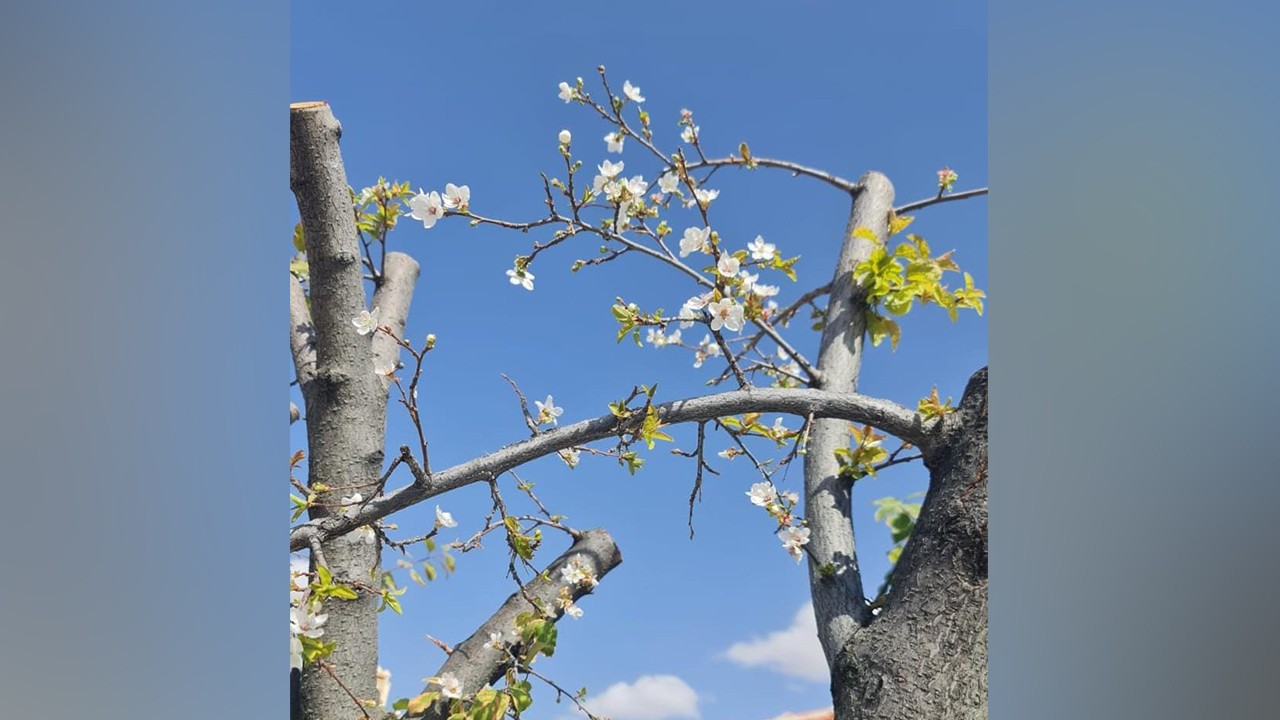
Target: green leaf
x=520, y=695
x=430, y=570
x=343, y=592
x=422, y=702
x=299, y=243
x=449, y=563
x=865, y=233
x=299, y=506
x=300, y=268
x=898, y=223
x=881, y=327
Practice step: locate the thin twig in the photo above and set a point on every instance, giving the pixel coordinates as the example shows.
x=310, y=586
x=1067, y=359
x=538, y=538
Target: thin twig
x=919, y=204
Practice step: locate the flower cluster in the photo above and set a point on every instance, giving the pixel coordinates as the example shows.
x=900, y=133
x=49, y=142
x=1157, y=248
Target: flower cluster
x=781, y=507
x=946, y=178
x=626, y=194
x=305, y=620
x=657, y=337
x=706, y=349
x=450, y=686
x=565, y=602
x=576, y=572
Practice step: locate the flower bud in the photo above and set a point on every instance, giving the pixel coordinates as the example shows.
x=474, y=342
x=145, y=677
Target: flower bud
x=565, y=137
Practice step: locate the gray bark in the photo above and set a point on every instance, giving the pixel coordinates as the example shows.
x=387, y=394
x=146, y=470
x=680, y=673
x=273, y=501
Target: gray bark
x=345, y=401
x=925, y=654
x=834, y=578
x=476, y=665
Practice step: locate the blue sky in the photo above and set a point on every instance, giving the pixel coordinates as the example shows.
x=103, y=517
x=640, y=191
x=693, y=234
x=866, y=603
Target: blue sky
x=466, y=94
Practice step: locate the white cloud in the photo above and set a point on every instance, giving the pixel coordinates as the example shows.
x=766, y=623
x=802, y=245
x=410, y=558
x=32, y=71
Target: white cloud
x=650, y=697
x=794, y=651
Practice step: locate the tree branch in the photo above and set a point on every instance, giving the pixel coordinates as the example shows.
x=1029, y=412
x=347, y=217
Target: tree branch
x=795, y=168
x=476, y=665
x=834, y=578
x=883, y=414
x=918, y=204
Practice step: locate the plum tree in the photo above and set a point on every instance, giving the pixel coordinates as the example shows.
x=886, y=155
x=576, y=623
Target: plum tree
x=916, y=649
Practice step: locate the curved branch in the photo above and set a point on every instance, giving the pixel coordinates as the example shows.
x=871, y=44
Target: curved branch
x=939, y=199
x=883, y=414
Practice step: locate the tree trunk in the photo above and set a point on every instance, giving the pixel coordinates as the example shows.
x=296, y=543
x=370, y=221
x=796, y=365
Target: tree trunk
x=345, y=405
x=925, y=654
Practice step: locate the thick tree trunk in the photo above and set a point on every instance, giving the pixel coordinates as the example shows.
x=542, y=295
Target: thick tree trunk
x=925, y=654
x=345, y=401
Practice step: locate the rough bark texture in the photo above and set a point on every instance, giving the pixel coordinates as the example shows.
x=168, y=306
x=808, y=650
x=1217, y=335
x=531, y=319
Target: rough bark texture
x=834, y=579
x=345, y=404
x=925, y=654
x=476, y=665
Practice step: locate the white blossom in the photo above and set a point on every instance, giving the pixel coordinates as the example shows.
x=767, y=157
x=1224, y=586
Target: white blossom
x=691, y=310
x=565, y=137
x=548, y=412
x=426, y=207
x=728, y=453
x=573, y=611
x=727, y=265
x=523, y=278
x=762, y=494
x=793, y=539
x=444, y=519
x=614, y=141
x=761, y=250
x=352, y=499
x=456, y=197
x=570, y=457
x=496, y=642
x=765, y=290
x=790, y=496
x=567, y=92
x=303, y=621
x=726, y=314
x=704, y=197
x=636, y=186
x=706, y=349
x=690, y=132
x=366, y=322
x=631, y=91
x=668, y=182
x=450, y=686
x=363, y=535
x=695, y=240
x=610, y=170
x=575, y=572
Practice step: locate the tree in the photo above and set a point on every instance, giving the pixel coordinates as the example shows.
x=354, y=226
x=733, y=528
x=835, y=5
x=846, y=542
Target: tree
x=917, y=649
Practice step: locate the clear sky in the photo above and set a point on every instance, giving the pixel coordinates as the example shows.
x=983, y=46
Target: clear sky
x=465, y=93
